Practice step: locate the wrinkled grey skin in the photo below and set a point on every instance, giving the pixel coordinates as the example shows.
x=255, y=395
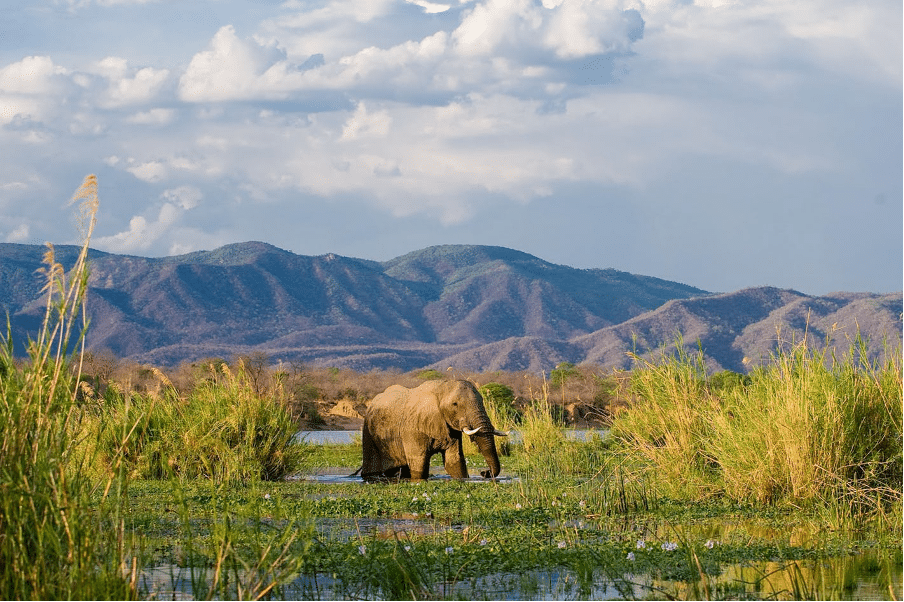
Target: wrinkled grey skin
x=404, y=427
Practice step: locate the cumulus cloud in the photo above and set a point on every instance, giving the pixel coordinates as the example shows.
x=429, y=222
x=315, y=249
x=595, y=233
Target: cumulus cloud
x=362, y=123
x=235, y=69
x=127, y=88
x=493, y=46
x=150, y=171
x=27, y=88
x=186, y=197
x=572, y=29
x=143, y=232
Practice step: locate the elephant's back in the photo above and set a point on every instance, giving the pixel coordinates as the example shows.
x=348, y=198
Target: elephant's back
x=390, y=398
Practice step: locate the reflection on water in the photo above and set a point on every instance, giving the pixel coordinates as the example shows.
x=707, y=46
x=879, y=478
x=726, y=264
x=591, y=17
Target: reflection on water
x=861, y=577
x=347, y=437
x=325, y=476
x=867, y=575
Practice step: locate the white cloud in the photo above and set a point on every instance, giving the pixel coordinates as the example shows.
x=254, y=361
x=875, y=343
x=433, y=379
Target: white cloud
x=19, y=234
x=234, y=69
x=151, y=171
x=157, y=116
x=362, y=123
x=31, y=75
x=143, y=233
x=430, y=7
x=28, y=88
x=122, y=89
x=186, y=197
x=571, y=29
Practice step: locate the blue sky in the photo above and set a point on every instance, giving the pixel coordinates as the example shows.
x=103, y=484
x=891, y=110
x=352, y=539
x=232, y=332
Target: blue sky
x=719, y=143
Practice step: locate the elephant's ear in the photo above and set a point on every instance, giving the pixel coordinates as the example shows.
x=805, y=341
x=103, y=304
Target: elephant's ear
x=443, y=389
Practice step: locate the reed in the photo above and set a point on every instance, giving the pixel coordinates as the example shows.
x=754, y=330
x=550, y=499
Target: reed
x=61, y=534
x=809, y=427
x=223, y=430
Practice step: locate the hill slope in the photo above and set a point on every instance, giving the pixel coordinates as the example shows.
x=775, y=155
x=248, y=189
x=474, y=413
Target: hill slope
x=473, y=307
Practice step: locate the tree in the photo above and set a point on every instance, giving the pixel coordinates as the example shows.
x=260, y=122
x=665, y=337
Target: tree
x=562, y=373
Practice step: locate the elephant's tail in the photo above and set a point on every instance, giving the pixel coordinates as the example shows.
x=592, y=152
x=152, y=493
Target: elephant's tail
x=354, y=474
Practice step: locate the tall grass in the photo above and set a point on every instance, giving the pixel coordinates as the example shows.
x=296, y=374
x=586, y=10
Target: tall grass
x=57, y=539
x=807, y=427
x=223, y=430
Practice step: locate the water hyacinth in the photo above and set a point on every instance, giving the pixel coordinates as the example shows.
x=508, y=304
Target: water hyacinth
x=669, y=546
x=631, y=556
x=641, y=544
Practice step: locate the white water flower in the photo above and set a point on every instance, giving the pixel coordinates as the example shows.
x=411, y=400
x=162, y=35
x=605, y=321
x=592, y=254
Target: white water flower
x=266, y=496
x=582, y=504
x=562, y=545
x=518, y=506
x=631, y=556
x=407, y=548
x=669, y=546
x=483, y=542
x=709, y=544
x=641, y=544
x=449, y=550
x=362, y=550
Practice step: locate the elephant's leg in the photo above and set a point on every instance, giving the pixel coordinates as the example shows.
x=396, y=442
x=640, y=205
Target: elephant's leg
x=372, y=459
x=418, y=461
x=454, y=460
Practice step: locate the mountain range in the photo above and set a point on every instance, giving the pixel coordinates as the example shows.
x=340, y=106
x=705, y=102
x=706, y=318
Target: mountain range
x=479, y=308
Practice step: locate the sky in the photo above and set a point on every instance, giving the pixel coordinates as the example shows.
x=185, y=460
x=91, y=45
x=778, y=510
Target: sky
x=723, y=144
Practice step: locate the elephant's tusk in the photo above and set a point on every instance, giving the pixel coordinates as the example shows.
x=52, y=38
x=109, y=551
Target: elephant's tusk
x=470, y=432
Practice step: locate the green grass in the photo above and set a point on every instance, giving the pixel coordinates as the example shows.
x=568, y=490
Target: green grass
x=447, y=539
x=61, y=532
x=222, y=430
x=809, y=428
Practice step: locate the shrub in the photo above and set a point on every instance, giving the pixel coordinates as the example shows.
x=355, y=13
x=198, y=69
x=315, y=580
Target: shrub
x=430, y=374
x=499, y=402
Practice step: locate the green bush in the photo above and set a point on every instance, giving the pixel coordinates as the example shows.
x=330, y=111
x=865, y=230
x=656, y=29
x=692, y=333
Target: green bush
x=430, y=374
x=222, y=431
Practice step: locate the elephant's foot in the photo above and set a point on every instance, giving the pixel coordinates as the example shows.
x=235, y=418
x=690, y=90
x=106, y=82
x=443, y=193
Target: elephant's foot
x=396, y=473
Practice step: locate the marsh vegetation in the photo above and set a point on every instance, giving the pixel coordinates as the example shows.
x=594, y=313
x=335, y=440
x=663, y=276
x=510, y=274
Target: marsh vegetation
x=781, y=484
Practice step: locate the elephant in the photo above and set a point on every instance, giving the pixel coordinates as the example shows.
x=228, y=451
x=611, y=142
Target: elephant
x=403, y=428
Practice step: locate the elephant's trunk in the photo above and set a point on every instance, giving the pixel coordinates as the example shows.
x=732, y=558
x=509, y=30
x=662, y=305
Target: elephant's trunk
x=487, y=445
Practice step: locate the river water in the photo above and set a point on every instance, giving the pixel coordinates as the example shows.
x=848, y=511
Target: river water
x=346, y=437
